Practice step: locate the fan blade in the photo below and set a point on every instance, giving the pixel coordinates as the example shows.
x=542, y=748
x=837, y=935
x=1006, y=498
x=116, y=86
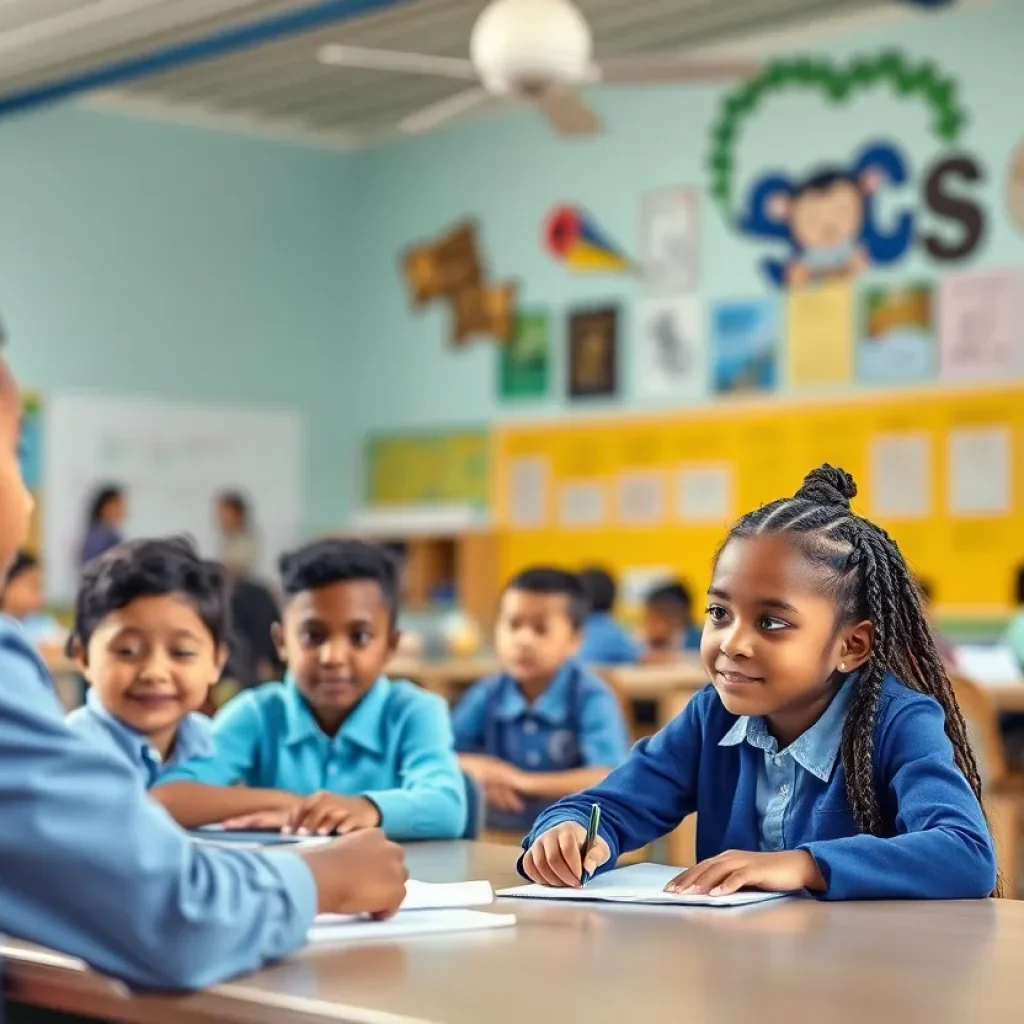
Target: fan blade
x=566, y=112
x=443, y=111
x=654, y=68
x=338, y=55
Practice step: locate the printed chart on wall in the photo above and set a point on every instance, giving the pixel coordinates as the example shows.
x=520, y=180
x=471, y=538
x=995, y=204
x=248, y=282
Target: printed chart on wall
x=940, y=470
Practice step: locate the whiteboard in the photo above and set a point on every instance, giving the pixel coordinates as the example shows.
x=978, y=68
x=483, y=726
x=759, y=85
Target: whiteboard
x=173, y=458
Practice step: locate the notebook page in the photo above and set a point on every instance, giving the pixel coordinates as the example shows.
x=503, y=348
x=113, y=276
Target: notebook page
x=406, y=923
x=639, y=884
x=421, y=896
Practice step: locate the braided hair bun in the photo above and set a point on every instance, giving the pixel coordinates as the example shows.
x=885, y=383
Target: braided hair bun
x=829, y=486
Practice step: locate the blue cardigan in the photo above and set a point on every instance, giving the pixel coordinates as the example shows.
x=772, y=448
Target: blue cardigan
x=937, y=846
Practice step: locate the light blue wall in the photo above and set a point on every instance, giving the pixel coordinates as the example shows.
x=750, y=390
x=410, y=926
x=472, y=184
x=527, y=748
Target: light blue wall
x=509, y=172
x=141, y=258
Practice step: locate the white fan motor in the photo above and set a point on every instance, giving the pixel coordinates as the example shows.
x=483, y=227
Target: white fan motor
x=523, y=46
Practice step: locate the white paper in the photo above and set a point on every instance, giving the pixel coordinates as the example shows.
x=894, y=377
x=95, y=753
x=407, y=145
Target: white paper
x=988, y=665
x=673, y=351
x=528, y=491
x=406, y=923
x=901, y=476
x=638, y=883
x=582, y=503
x=431, y=896
x=641, y=498
x=704, y=493
x=669, y=232
x=979, y=471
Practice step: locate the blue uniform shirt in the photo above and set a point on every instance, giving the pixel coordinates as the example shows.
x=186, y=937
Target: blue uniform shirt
x=93, y=721
x=395, y=749
x=784, y=776
x=90, y=866
x=606, y=642
x=576, y=722
x=937, y=844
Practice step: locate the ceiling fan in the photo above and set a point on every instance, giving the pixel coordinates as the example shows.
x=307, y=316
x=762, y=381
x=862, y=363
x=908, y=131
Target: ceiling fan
x=537, y=51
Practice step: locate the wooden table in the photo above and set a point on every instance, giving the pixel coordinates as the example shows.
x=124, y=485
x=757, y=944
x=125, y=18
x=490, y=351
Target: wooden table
x=793, y=962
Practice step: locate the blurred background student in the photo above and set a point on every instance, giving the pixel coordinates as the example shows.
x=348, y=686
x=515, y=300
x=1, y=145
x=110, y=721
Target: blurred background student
x=605, y=640
x=667, y=628
x=108, y=510
x=239, y=544
x=22, y=599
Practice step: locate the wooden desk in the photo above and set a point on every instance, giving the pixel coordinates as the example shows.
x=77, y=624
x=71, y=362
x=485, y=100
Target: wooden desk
x=794, y=962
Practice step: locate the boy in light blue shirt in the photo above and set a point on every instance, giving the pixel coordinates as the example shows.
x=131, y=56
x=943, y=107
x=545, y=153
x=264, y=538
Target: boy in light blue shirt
x=151, y=620
x=545, y=726
x=605, y=641
x=336, y=746
x=22, y=599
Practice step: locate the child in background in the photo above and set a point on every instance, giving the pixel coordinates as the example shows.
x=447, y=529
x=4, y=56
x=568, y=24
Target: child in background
x=108, y=510
x=149, y=636
x=605, y=642
x=22, y=599
x=239, y=547
x=829, y=753
x=337, y=746
x=668, y=627
x=546, y=726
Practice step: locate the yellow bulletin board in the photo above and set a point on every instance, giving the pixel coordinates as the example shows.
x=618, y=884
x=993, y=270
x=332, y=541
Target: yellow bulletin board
x=445, y=467
x=940, y=470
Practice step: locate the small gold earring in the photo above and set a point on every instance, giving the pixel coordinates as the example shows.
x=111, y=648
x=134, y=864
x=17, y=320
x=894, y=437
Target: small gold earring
x=842, y=666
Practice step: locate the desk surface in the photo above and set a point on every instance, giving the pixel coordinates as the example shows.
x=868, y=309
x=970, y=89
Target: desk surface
x=786, y=963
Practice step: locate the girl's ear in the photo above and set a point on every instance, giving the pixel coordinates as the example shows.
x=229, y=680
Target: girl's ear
x=222, y=659
x=393, y=639
x=855, y=646
x=78, y=654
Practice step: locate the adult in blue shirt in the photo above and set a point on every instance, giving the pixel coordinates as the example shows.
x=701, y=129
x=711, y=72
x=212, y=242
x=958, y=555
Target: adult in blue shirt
x=90, y=866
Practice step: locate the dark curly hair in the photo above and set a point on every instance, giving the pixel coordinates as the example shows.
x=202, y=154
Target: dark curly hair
x=866, y=574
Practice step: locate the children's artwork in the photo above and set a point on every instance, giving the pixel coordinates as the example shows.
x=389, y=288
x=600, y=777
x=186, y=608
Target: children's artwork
x=582, y=503
x=704, y=492
x=452, y=270
x=574, y=238
x=745, y=341
x=528, y=492
x=640, y=498
x=669, y=240
x=593, y=352
x=524, y=361
x=901, y=475
x=1015, y=187
x=980, y=475
x=819, y=326
x=980, y=329
x=897, y=339
x=836, y=215
x=30, y=456
x=672, y=351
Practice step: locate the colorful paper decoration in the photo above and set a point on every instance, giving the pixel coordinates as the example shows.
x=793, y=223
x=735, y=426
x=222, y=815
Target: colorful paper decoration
x=523, y=363
x=897, y=337
x=573, y=238
x=451, y=270
x=745, y=342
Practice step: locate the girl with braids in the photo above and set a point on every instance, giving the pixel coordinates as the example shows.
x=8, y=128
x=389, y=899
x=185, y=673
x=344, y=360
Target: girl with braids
x=828, y=755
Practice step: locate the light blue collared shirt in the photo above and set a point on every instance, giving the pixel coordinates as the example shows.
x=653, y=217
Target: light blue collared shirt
x=606, y=642
x=90, y=866
x=576, y=722
x=194, y=738
x=780, y=774
x=395, y=749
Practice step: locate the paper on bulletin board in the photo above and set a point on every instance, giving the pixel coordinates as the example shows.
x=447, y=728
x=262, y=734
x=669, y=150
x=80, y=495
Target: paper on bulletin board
x=981, y=326
x=640, y=498
x=704, y=493
x=897, y=338
x=669, y=240
x=819, y=325
x=672, y=348
x=979, y=471
x=582, y=503
x=528, y=492
x=900, y=476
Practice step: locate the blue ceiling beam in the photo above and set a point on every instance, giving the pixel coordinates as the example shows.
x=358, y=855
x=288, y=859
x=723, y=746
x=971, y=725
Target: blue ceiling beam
x=195, y=51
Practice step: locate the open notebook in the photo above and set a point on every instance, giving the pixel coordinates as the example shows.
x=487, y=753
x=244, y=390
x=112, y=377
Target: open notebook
x=638, y=884
x=428, y=909
x=216, y=835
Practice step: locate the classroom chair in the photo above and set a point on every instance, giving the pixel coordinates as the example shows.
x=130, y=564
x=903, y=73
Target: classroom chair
x=1003, y=787
x=475, y=808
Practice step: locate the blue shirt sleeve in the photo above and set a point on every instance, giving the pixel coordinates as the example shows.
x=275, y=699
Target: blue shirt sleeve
x=645, y=798
x=431, y=801
x=142, y=902
x=469, y=719
x=604, y=737
x=942, y=849
x=237, y=731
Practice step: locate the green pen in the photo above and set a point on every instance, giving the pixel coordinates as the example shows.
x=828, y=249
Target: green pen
x=592, y=826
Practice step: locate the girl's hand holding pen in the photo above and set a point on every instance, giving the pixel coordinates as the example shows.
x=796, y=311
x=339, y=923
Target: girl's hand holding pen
x=556, y=858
